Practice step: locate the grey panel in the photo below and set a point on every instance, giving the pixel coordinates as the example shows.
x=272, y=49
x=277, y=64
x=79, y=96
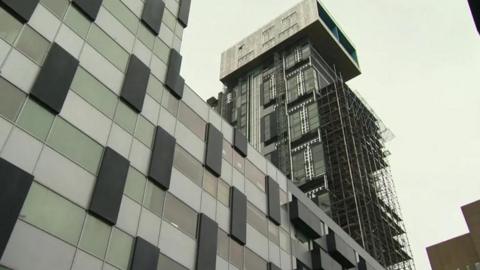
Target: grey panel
x=240, y=142
x=14, y=186
x=273, y=200
x=184, y=12
x=340, y=250
x=55, y=77
x=272, y=266
x=304, y=220
x=145, y=255
x=213, y=153
x=21, y=9
x=135, y=83
x=88, y=7
x=271, y=126
x=207, y=243
x=238, y=215
x=161, y=161
x=173, y=81
x=108, y=191
x=362, y=264
x=321, y=260
x=152, y=14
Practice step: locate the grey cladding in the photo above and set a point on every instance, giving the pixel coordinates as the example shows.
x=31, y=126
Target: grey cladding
x=304, y=220
x=321, y=260
x=240, y=142
x=213, y=153
x=88, y=7
x=184, y=12
x=135, y=83
x=238, y=216
x=273, y=200
x=272, y=266
x=161, y=160
x=108, y=192
x=173, y=80
x=145, y=255
x=152, y=14
x=207, y=243
x=54, y=80
x=22, y=9
x=14, y=186
x=269, y=127
x=340, y=250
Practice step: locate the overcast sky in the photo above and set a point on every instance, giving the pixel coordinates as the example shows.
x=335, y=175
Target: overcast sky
x=420, y=62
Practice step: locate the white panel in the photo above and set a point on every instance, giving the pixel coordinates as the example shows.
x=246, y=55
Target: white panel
x=184, y=189
x=272, y=170
x=194, y=145
x=82, y=115
x=151, y=109
x=167, y=121
x=231, y=267
x=85, y=261
x=30, y=248
x=158, y=68
x=142, y=52
x=257, y=159
x=221, y=264
x=70, y=41
x=166, y=35
x=4, y=48
x=140, y=156
x=227, y=131
x=172, y=5
x=5, y=128
x=177, y=43
x=223, y=217
x=44, y=22
x=227, y=171
x=120, y=140
x=257, y=242
x=284, y=217
x=107, y=266
x=128, y=216
x=256, y=196
x=65, y=177
x=136, y=6
x=209, y=205
x=282, y=181
x=215, y=119
x=274, y=253
x=115, y=29
x=20, y=71
x=286, y=260
x=195, y=102
x=238, y=180
x=22, y=150
x=149, y=228
x=102, y=69
x=177, y=245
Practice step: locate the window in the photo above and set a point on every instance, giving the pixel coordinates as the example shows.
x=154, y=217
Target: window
x=223, y=194
x=210, y=183
x=180, y=215
x=11, y=100
x=295, y=125
x=161, y=50
x=273, y=233
x=191, y=120
x=227, y=151
x=188, y=165
x=238, y=162
x=310, y=80
x=9, y=27
x=52, y=213
x=170, y=103
x=300, y=83
x=313, y=116
x=95, y=237
x=135, y=185
x=222, y=244
x=253, y=261
x=145, y=131
x=166, y=263
x=292, y=88
x=284, y=240
x=255, y=175
x=33, y=45
x=35, y=120
x=318, y=159
x=154, y=199
x=119, y=249
x=257, y=220
x=298, y=165
x=125, y=117
x=146, y=36
x=77, y=22
x=169, y=19
x=236, y=254
x=107, y=47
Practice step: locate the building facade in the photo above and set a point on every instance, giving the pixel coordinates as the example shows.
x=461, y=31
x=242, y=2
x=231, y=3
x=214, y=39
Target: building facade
x=462, y=252
x=285, y=89
x=108, y=160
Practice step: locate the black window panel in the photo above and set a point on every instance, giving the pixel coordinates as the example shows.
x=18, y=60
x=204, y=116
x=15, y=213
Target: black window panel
x=273, y=200
x=207, y=243
x=321, y=260
x=14, y=186
x=21, y=9
x=238, y=216
x=340, y=251
x=304, y=220
x=54, y=80
x=240, y=142
x=272, y=266
x=184, y=12
x=88, y=7
x=475, y=9
x=108, y=191
x=269, y=127
x=135, y=83
x=213, y=153
x=145, y=255
x=362, y=264
x=173, y=81
x=161, y=161
x=152, y=14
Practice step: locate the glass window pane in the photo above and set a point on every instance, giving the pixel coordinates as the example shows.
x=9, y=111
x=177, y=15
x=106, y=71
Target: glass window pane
x=188, y=165
x=170, y=103
x=257, y=220
x=125, y=117
x=180, y=215
x=165, y=263
x=146, y=36
x=154, y=199
x=191, y=120
x=223, y=194
x=227, y=151
x=169, y=19
x=210, y=183
x=33, y=45
x=135, y=185
x=161, y=50
x=9, y=27
x=69, y=141
x=35, y=120
x=222, y=249
x=52, y=213
x=255, y=175
x=236, y=254
x=238, y=162
x=155, y=88
x=11, y=100
x=95, y=237
x=145, y=131
x=253, y=261
x=57, y=7
x=107, y=47
x=284, y=240
x=94, y=92
x=273, y=233
x=119, y=249
x=122, y=13
x=77, y=22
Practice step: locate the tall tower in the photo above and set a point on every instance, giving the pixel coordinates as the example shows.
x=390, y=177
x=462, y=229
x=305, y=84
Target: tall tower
x=286, y=91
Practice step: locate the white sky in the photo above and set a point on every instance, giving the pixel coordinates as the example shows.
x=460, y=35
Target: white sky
x=421, y=73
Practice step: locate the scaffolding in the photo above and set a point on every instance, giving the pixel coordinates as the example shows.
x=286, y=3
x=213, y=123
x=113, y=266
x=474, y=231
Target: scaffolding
x=362, y=194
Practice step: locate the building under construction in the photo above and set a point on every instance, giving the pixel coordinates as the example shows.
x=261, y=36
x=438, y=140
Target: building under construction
x=285, y=89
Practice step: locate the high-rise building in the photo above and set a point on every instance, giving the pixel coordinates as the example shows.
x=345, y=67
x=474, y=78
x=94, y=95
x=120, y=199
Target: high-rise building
x=285, y=90
x=108, y=160
x=461, y=252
